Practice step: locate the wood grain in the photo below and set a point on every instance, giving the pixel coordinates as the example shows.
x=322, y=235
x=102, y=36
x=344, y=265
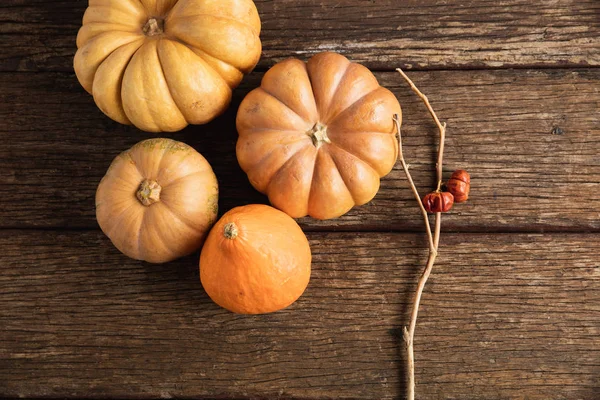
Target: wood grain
x=39, y=35
x=503, y=316
x=503, y=128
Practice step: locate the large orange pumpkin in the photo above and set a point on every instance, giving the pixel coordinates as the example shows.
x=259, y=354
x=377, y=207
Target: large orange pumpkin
x=161, y=64
x=255, y=260
x=157, y=201
x=317, y=137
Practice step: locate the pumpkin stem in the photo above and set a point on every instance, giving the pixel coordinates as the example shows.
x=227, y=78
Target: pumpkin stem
x=230, y=231
x=154, y=26
x=149, y=192
x=318, y=134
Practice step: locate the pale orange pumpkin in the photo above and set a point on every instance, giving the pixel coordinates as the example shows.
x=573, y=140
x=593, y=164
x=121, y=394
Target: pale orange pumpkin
x=317, y=137
x=255, y=260
x=161, y=64
x=158, y=200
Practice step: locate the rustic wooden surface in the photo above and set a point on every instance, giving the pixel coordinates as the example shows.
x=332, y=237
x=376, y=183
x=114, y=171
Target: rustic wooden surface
x=515, y=318
x=422, y=34
x=512, y=311
x=501, y=126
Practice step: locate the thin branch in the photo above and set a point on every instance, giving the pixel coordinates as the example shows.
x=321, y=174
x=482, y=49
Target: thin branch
x=440, y=160
x=409, y=334
x=412, y=185
x=415, y=89
x=441, y=127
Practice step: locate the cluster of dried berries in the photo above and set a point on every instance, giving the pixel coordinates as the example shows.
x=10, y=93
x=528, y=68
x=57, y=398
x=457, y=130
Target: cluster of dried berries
x=458, y=188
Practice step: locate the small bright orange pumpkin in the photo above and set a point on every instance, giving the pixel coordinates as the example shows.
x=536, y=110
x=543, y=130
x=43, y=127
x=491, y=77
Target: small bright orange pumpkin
x=256, y=260
x=157, y=200
x=161, y=64
x=317, y=137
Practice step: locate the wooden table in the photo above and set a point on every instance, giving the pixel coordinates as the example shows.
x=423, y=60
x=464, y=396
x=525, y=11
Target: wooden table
x=512, y=311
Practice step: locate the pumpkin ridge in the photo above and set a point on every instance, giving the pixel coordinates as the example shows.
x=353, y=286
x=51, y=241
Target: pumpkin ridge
x=161, y=235
x=88, y=43
x=123, y=100
x=194, y=49
x=179, y=179
x=337, y=88
x=120, y=105
x=178, y=216
x=153, y=7
x=162, y=71
x=118, y=242
x=231, y=19
x=355, y=156
x=168, y=147
x=269, y=154
x=137, y=256
x=280, y=101
x=137, y=167
x=358, y=101
x=128, y=29
x=168, y=12
x=163, y=144
x=119, y=218
x=181, y=160
x=312, y=85
x=252, y=131
x=177, y=120
x=124, y=44
x=204, y=63
x=288, y=161
x=130, y=5
x=310, y=212
x=89, y=14
x=348, y=132
x=214, y=56
x=310, y=181
x=337, y=167
x=333, y=158
x=139, y=250
x=103, y=202
x=116, y=176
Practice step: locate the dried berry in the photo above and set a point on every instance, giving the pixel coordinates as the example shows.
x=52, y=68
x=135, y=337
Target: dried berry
x=436, y=202
x=459, y=185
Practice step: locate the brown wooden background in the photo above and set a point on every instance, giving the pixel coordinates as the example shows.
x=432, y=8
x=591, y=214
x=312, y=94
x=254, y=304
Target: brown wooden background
x=512, y=311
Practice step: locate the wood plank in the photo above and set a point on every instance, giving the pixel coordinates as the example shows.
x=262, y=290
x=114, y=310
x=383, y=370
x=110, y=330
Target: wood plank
x=39, y=35
x=504, y=316
x=56, y=146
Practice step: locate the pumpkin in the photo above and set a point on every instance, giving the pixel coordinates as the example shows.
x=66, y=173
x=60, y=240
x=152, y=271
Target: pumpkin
x=438, y=202
x=459, y=185
x=157, y=200
x=256, y=260
x=317, y=137
x=163, y=64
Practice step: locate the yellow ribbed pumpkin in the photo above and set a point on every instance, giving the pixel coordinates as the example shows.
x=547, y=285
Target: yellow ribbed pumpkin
x=163, y=64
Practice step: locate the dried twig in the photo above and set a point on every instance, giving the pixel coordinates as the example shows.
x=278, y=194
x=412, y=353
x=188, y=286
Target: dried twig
x=434, y=240
x=441, y=126
x=413, y=187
